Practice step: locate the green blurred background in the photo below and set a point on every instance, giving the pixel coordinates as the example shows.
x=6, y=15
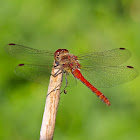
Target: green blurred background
x=80, y=26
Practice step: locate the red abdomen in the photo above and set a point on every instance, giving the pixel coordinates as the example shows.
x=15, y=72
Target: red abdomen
x=80, y=77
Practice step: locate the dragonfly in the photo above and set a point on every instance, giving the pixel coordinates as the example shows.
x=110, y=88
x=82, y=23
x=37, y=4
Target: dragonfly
x=97, y=69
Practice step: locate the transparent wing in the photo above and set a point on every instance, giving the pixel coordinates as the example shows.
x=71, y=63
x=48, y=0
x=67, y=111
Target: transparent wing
x=113, y=57
x=102, y=76
x=41, y=74
x=30, y=55
x=36, y=73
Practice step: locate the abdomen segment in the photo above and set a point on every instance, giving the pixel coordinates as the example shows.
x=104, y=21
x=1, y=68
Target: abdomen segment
x=80, y=77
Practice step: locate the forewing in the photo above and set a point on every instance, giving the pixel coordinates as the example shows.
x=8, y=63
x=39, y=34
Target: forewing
x=30, y=55
x=113, y=57
x=102, y=76
x=36, y=73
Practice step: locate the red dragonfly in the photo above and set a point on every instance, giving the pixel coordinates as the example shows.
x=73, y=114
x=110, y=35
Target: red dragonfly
x=100, y=68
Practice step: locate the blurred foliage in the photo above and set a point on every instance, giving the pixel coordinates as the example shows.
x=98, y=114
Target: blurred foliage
x=79, y=26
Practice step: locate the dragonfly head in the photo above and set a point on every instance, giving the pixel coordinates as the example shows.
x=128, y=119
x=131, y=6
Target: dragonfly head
x=60, y=52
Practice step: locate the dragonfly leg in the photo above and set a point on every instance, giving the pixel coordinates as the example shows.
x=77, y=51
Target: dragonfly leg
x=57, y=73
x=57, y=85
x=65, y=91
x=66, y=84
x=53, y=90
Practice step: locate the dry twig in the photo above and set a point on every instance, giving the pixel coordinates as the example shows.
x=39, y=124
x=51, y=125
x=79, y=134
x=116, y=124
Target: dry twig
x=50, y=111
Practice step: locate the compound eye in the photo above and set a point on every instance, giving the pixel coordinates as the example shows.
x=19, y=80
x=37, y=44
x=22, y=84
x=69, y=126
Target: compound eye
x=56, y=54
x=65, y=50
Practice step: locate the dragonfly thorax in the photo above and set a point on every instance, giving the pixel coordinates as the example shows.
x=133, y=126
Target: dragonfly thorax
x=66, y=61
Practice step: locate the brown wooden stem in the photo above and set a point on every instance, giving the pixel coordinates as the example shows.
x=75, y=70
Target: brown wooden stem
x=51, y=106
